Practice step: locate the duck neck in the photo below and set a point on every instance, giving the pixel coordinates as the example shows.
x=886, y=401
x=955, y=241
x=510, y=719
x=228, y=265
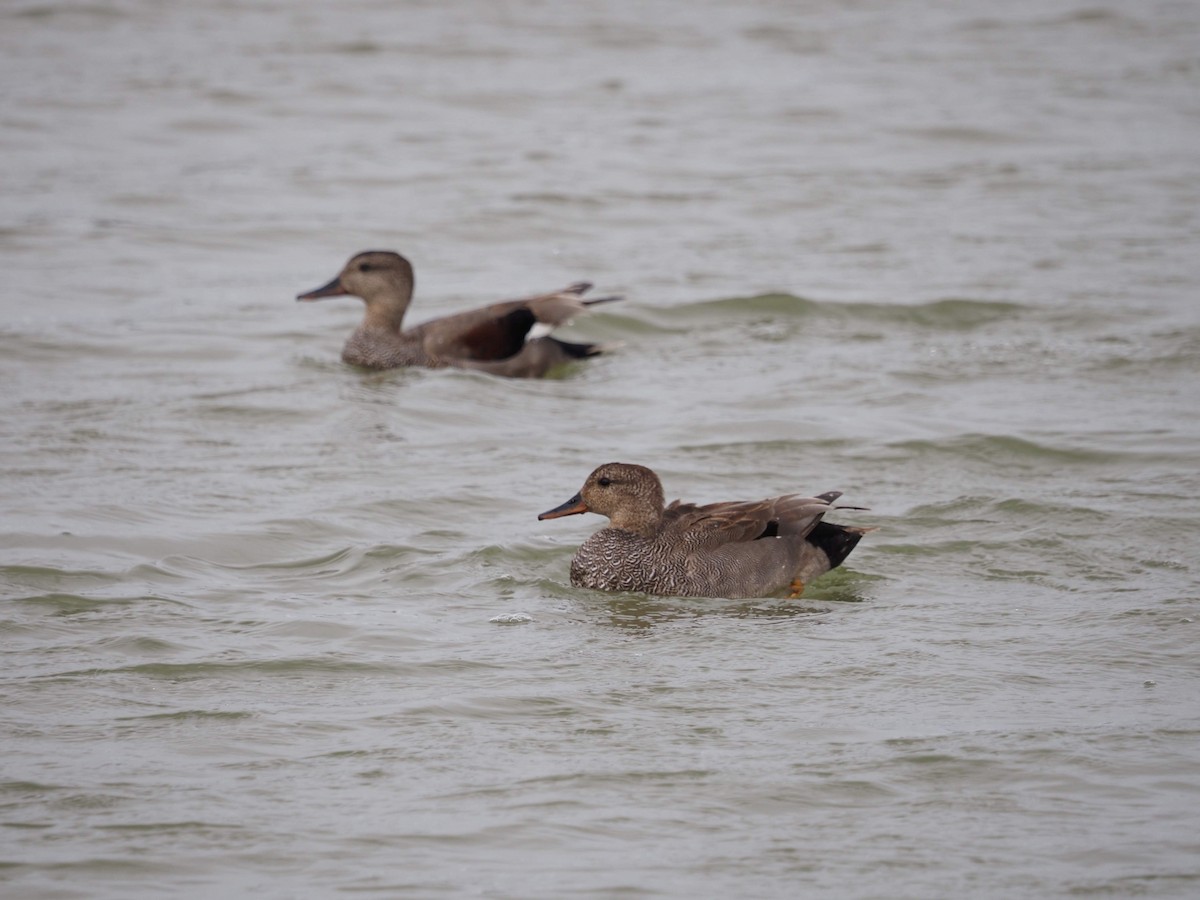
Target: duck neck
x=642, y=519
x=386, y=308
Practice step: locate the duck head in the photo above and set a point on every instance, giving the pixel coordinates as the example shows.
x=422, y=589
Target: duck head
x=383, y=279
x=630, y=496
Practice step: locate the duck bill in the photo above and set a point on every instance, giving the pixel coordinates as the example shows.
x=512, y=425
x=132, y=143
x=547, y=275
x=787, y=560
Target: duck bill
x=573, y=507
x=333, y=289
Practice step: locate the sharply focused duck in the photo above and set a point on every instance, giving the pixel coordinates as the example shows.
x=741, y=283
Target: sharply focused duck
x=508, y=338
x=735, y=549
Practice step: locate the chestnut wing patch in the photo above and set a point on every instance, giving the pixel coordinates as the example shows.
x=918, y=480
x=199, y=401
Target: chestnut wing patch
x=497, y=338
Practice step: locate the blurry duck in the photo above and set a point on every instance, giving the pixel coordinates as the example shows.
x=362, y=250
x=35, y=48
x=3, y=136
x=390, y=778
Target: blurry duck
x=735, y=549
x=508, y=338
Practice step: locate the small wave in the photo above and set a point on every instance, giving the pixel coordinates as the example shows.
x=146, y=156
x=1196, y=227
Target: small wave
x=960, y=135
x=326, y=562
x=948, y=314
x=1007, y=449
x=64, y=604
x=184, y=715
x=47, y=349
x=194, y=671
x=50, y=575
x=109, y=11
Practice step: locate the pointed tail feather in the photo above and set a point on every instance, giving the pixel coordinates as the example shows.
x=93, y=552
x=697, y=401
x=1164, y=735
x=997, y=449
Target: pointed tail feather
x=582, y=351
x=596, y=300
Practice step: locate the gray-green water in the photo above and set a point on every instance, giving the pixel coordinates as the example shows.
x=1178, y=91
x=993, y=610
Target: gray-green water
x=273, y=626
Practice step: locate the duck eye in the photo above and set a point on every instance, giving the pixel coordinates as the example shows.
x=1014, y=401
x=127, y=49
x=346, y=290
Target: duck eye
x=364, y=267
x=604, y=482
